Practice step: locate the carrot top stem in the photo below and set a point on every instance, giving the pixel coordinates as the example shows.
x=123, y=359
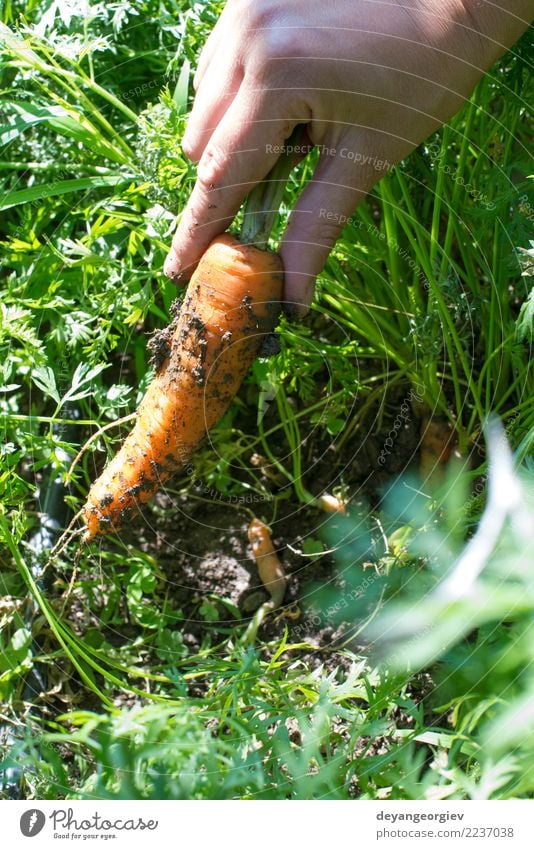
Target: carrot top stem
x=263, y=202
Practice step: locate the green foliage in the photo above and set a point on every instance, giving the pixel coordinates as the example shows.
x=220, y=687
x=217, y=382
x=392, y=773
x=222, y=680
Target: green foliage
x=444, y=310
x=425, y=298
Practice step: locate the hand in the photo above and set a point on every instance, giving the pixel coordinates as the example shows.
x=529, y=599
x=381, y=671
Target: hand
x=370, y=78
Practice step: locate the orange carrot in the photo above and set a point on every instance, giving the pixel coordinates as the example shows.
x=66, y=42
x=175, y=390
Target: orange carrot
x=436, y=446
x=231, y=303
x=270, y=569
x=331, y=503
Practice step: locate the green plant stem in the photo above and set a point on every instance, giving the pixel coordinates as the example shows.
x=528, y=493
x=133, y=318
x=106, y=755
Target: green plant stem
x=457, y=187
x=260, y=213
x=294, y=439
x=263, y=202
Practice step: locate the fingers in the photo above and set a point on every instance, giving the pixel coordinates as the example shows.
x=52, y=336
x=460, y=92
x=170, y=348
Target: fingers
x=217, y=82
x=234, y=161
x=212, y=101
x=208, y=52
x=217, y=36
x=337, y=187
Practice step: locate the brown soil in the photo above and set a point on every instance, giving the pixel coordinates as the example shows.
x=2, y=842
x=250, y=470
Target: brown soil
x=201, y=546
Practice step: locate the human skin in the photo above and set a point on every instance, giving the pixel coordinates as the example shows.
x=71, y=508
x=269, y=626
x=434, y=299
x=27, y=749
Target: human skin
x=371, y=79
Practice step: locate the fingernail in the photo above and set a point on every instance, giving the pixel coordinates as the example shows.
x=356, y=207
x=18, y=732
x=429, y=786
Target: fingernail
x=295, y=312
x=172, y=266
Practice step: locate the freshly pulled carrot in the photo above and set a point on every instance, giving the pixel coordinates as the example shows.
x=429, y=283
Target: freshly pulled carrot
x=231, y=303
x=230, y=307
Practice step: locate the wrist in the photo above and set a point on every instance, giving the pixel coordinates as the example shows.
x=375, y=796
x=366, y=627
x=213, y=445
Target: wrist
x=495, y=25
x=479, y=30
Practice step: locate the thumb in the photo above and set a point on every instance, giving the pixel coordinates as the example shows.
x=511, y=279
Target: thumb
x=338, y=185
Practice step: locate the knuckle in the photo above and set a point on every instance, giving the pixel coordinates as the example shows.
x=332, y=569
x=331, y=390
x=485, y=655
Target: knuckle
x=261, y=14
x=325, y=236
x=284, y=43
x=188, y=148
x=211, y=167
x=277, y=44
x=192, y=150
x=272, y=39
x=306, y=249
